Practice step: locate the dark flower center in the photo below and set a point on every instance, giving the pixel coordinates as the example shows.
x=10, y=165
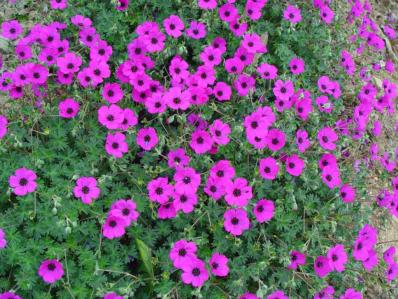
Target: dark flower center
x=112, y=223
x=196, y=272
x=186, y=180
x=235, y=221
x=23, y=182
x=85, y=190
x=237, y=192
x=159, y=191
x=182, y=252
x=51, y=267
x=125, y=211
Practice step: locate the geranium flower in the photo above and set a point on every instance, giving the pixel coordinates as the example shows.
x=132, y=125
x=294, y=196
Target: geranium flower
x=182, y=253
x=167, y=211
x=267, y=71
x=114, y=226
x=11, y=29
x=59, y=4
x=277, y=295
x=126, y=209
x=116, y=145
x=337, y=258
x=123, y=5
x=3, y=241
x=3, y=126
x=147, y=138
x=186, y=180
x=228, y=12
x=220, y=132
x=219, y=265
x=51, y=271
x=9, y=295
x=194, y=273
x=331, y=176
x=159, y=190
x=213, y=188
x=112, y=93
x=321, y=266
x=347, y=193
x=294, y=165
x=268, y=168
x=236, y=221
x=296, y=259
x=69, y=63
x=351, y=294
x=23, y=181
x=292, y=14
x=325, y=293
x=264, y=210
x=297, y=66
x=196, y=30
x=173, y=26
x=86, y=189
x=185, y=201
x=201, y=142
x=222, y=91
x=327, y=138
x=238, y=192
x=110, y=117
x=68, y=108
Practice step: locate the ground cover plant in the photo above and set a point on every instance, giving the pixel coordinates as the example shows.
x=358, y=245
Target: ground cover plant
x=194, y=149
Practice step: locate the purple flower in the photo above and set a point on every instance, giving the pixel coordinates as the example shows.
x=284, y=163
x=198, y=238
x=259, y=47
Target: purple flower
x=194, y=273
x=116, y=145
x=23, y=181
x=147, y=138
x=236, y=221
x=182, y=253
x=11, y=29
x=68, y=108
x=51, y=271
x=264, y=210
x=86, y=189
x=114, y=226
x=219, y=265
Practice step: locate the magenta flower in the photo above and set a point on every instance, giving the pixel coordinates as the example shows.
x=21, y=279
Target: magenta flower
x=222, y=91
x=210, y=56
x=3, y=126
x=347, y=193
x=223, y=171
x=201, y=142
x=326, y=14
x=11, y=29
x=248, y=295
x=268, y=168
x=361, y=249
x=391, y=272
x=276, y=140
x=327, y=138
x=296, y=259
x=220, y=132
x=38, y=74
x=59, y=4
x=9, y=295
x=112, y=93
x=23, y=181
x=292, y=14
x=114, y=226
x=207, y=4
x=213, y=188
x=371, y=261
x=389, y=255
x=294, y=165
x=167, y=211
x=185, y=201
x=277, y=295
x=337, y=258
x=331, y=176
x=123, y=5
x=228, y=12
x=244, y=84
x=195, y=273
x=112, y=295
x=182, y=253
x=130, y=119
x=51, y=271
x=196, y=30
x=178, y=158
x=264, y=210
x=70, y=63
x=159, y=190
x=68, y=108
x=236, y=221
x=325, y=293
x=321, y=266
x=174, y=26
x=155, y=104
x=267, y=71
x=147, y=138
x=351, y=294
x=219, y=265
x=86, y=189
x=327, y=160
x=126, y=209
x=3, y=241
x=238, y=192
x=297, y=66
x=187, y=180
x=253, y=43
x=302, y=141
x=116, y=145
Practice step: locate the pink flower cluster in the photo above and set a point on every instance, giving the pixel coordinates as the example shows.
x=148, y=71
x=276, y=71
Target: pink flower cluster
x=183, y=255
x=122, y=213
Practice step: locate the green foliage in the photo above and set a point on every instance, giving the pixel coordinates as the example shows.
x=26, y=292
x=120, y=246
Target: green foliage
x=51, y=223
